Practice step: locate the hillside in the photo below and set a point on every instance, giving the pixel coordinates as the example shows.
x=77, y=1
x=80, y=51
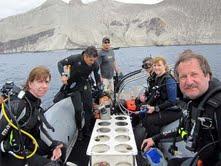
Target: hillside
x=58, y=25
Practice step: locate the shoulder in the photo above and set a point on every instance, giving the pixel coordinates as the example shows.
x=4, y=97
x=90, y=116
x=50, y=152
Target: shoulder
x=165, y=77
x=214, y=93
x=215, y=100
x=72, y=58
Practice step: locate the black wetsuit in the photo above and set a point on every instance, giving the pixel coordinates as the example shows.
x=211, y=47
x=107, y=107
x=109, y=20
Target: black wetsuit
x=150, y=84
x=79, y=83
x=207, y=134
x=27, y=112
x=160, y=98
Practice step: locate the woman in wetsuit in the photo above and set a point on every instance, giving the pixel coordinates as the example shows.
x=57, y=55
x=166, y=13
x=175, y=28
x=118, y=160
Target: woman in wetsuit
x=161, y=100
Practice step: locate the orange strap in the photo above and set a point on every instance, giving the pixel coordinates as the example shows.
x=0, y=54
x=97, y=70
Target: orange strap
x=199, y=163
x=130, y=104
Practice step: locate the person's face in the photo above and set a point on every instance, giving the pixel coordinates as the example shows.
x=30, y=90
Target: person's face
x=39, y=87
x=105, y=100
x=89, y=60
x=159, y=68
x=106, y=45
x=193, y=82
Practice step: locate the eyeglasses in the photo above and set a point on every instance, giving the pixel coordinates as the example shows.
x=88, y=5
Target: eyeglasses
x=106, y=42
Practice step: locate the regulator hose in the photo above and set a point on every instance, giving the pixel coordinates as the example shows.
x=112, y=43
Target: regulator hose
x=23, y=132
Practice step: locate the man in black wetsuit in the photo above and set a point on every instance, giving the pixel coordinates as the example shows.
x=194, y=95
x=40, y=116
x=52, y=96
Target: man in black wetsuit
x=151, y=75
x=200, y=127
x=26, y=114
x=75, y=71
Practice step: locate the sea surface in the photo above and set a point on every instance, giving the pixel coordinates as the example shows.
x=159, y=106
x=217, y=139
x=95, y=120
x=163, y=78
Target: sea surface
x=15, y=67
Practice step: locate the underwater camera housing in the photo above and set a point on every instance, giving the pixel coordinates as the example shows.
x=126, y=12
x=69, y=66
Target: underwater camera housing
x=9, y=88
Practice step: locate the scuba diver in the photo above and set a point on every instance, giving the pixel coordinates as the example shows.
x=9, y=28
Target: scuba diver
x=161, y=100
x=151, y=75
x=75, y=71
x=142, y=98
x=200, y=126
x=22, y=118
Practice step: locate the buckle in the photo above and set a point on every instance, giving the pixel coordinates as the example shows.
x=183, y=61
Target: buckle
x=206, y=122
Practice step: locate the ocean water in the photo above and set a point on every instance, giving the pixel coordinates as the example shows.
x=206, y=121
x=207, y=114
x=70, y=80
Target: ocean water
x=15, y=67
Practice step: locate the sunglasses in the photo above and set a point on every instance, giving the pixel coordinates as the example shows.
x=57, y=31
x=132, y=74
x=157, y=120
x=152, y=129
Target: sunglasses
x=106, y=42
x=146, y=65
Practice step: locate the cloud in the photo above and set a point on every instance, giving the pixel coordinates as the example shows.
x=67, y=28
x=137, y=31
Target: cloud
x=140, y=1
x=131, y=1
x=13, y=7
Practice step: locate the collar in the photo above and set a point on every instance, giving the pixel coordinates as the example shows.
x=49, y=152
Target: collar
x=32, y=98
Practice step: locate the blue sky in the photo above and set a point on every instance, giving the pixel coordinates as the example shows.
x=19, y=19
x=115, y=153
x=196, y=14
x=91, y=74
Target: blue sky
x=13, y=7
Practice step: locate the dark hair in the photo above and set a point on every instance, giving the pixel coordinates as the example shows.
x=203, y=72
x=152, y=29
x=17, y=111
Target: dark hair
x=149, y=65
x=105, y=39
x=37, y=73
x=147, y=59
x=90, y=51
x=188, y=55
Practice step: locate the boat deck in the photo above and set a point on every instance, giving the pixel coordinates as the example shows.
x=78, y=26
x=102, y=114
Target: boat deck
x=78, y=153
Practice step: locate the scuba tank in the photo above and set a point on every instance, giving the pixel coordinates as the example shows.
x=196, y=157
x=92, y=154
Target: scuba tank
x=155, y=157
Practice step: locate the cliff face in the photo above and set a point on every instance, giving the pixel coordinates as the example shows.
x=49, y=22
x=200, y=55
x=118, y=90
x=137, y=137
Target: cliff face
x=58, y=25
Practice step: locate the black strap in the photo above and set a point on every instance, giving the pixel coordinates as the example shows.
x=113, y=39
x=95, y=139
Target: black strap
x=199, y=112
x=44, y=120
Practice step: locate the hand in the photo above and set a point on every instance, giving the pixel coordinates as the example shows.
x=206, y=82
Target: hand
x=64, y=79
x=150, y=109
x=57, y=152
x=147, y=144
x=143, y=98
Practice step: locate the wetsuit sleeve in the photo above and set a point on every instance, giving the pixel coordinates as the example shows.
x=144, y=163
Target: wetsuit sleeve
x=164, y=135
x=96, y=74
x=218, y=117
x=171, y=133
x=67, y=61
x=171, y=88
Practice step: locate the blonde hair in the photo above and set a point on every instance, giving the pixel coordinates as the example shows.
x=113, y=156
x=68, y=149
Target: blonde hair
x=158, y=59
